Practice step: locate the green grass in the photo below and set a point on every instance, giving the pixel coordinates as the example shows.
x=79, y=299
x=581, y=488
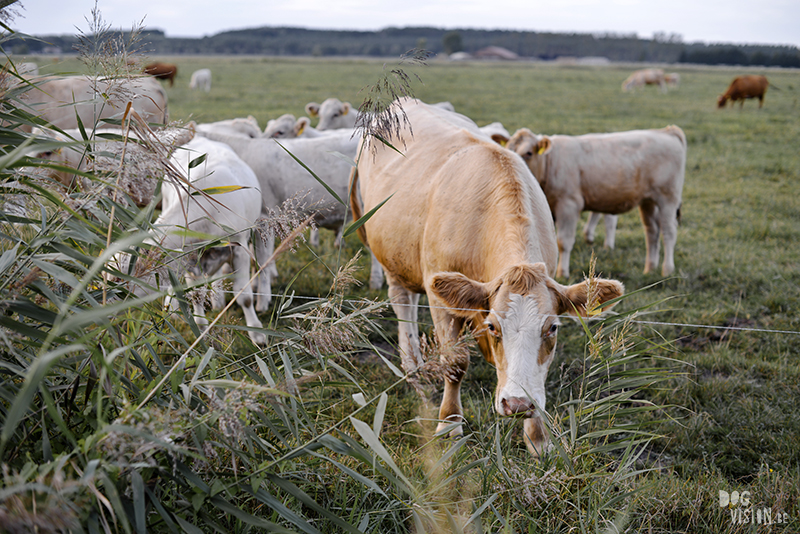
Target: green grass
x=733, y=397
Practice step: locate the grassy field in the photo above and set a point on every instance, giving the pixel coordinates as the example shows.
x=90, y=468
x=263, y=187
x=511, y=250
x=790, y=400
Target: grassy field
x=725, y=327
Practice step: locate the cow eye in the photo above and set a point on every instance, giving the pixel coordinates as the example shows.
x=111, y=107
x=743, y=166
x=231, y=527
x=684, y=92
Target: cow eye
x=553, y=330
x=491, y=328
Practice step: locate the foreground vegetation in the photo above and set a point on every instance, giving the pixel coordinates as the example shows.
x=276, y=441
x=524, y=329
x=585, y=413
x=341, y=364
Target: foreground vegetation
x=115, y=419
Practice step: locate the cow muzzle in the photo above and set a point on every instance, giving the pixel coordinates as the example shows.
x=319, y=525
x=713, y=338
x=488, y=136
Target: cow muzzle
x=519, y=406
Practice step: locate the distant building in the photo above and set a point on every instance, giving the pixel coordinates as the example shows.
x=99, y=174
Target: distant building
x=495, y=52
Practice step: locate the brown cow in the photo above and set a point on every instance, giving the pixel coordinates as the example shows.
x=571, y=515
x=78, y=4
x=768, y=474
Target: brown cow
x=468, y=225
x=742, y=87
x=162, y=71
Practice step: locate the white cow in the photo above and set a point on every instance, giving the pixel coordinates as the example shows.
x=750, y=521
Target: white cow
x=333, y=113
x=240, y=127
x=56, y=100
x=643, y=77
x=287, y=127
x=610, y=173
x=467, y=225
x=282, y=178
x=230, y=215
x=201, y=79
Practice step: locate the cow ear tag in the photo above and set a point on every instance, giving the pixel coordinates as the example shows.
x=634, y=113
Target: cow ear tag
x=541, y=150
x=300, y=132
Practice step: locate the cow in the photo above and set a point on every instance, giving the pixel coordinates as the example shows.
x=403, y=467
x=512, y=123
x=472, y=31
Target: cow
x=287, y=127
x=201, y=79
x=58, y=100
x=466, y=224
x=240, y=127
x=187, y=218
x=333, y=113
x=643, y=77
x=610, y=173
x=673, y=79
x=162, y=71
x=744, y=87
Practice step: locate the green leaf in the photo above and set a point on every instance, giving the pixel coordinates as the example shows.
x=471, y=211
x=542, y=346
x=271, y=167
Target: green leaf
x=364, y=218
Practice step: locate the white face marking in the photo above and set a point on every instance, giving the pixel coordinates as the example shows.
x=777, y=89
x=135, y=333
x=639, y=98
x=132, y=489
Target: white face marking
x=522, y=338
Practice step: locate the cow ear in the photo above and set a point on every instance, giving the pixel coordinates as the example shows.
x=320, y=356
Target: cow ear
x=312, y=108
x=543, y=146
x=574, y=299
x=301, y=125
x=500, y=139
x=345, y=108
x=464, y=296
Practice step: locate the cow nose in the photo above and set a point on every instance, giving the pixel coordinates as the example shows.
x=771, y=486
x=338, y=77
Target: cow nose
x=517, y=405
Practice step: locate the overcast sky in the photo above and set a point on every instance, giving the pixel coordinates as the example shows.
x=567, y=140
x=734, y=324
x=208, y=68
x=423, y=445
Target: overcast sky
x=709, y=21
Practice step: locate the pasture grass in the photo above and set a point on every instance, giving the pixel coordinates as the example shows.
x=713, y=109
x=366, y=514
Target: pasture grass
x=730, y=419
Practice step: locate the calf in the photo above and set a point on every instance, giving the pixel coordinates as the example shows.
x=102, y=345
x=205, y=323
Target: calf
x=744, y=87
x=189, y=219
x=610, y=173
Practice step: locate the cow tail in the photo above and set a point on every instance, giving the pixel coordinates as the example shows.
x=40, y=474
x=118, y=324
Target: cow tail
x=355, y=205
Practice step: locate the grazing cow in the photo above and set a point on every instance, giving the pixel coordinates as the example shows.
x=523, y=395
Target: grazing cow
x=201, y=79
x=673, y=79
x=162, y=71
x=239, y=127
x=467, y=225
x=643, y=77
x=743, y=87
x=29, y=69
x=282, y=178
x=58, y=100
x=610, y=173
x=229, y=214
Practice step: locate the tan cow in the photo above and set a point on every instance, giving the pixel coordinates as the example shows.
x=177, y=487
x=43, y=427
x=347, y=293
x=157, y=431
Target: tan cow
x=743, y=87
x=57, y=99
x=610, y=173
x=467, y=225
x=643, y=77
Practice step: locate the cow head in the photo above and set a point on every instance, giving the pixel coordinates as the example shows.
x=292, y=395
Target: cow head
x=532, y=148
x=282, y=127
x=515, y=320
x=722, y=100
x=332, y=114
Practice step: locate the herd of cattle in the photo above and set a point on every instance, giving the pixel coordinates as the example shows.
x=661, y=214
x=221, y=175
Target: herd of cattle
x=481, y=221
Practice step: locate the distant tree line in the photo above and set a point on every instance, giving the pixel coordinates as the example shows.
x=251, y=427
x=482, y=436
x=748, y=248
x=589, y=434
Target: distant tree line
x=388, y=42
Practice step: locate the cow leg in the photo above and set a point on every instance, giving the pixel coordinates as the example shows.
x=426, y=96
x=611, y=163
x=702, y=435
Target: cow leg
x=454, y=364
x=566, y=224
x=242, y=288
x=375, y=273
x=313, y=237
x=264, y=248
x=339, y=241
x=404, y=303
x=589, y=227
x=648, y=211
x=611, y=230
x=668, y=223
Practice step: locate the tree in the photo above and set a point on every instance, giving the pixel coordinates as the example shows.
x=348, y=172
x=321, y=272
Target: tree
x=451, y=41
